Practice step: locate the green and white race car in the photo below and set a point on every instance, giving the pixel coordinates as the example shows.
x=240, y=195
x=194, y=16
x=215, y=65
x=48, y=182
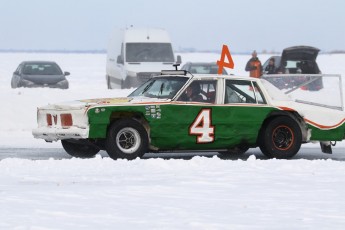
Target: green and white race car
x=177, y=111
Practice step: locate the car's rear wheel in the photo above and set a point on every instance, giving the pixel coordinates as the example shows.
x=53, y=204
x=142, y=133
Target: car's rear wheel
x=281, y=138
x=126, y=139
x=80, y=150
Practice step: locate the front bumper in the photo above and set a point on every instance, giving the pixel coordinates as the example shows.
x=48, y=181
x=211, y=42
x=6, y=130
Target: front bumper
x=50, y=134
x=53, y=86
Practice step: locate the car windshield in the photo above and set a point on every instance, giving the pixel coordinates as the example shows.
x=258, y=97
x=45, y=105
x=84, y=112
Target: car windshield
x=42, y=69
x=160, y=87
x=149, y=52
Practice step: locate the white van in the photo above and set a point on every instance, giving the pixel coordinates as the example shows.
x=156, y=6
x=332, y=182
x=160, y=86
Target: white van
x=135, y=55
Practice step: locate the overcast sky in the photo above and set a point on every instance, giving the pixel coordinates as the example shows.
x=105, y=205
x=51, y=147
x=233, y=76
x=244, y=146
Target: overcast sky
x=243, y=25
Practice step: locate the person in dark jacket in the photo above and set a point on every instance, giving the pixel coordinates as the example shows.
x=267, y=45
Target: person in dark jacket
x=254, y=66
x=270, y=68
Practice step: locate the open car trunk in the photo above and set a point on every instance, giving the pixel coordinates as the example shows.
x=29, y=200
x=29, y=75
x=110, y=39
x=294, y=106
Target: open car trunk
x=305, y=53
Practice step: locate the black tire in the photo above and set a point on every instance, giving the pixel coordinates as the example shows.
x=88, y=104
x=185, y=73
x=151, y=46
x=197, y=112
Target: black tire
x=80, y=150
x=108, y=83
x=124, y=84
x=126, y=139
x=127, y=83
x=13, y=86
x=281, y=138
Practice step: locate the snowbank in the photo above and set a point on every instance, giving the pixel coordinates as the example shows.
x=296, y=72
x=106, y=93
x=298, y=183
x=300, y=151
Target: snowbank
x=201, y=193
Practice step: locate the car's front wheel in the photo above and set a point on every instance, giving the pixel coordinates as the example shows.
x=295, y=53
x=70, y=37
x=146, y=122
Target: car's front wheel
x=13, y=85
x=81, y=150
x=281, y=138
x=126, y=139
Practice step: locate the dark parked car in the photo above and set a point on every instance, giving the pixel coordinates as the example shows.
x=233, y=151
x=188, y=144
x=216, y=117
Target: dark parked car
x=202, y=68
x=297, y=60
x=39, y=74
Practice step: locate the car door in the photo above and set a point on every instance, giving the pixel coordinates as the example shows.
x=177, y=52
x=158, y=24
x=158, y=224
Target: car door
x=180, y=125
x=233, y=118
x=239, y=118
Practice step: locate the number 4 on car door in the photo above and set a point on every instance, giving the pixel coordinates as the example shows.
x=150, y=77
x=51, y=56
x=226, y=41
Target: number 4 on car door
x=202, y=127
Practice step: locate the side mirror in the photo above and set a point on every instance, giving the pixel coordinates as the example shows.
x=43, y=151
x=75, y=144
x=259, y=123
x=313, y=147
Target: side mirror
x=16, y=72
x=179, y=59
x=119, y=60
x=66, y=73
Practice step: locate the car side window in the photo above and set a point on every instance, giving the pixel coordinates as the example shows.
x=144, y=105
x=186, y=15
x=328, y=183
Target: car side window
x=200, y=91
x=208, y=90
x=258, y=94
x=239, y=91
x=19, y=68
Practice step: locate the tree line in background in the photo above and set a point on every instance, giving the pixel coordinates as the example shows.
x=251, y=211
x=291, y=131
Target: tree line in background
x=180, y=50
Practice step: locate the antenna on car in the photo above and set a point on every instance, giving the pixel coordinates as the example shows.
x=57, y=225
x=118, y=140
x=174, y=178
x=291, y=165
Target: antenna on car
x=174, y=72
x=176, y=65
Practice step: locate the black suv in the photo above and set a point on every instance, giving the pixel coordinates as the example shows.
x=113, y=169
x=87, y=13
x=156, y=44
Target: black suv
x=297, y=60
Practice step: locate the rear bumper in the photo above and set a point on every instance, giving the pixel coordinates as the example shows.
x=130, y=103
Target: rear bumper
x=54, y=134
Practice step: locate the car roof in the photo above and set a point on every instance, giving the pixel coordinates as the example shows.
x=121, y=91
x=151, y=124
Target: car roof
x=212, y=76
x=188, y=65
x=202, y=63
x=222, y=76
x=39, y=62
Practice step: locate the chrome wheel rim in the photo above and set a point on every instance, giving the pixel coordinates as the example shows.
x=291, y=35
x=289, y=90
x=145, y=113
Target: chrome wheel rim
x=128, y=140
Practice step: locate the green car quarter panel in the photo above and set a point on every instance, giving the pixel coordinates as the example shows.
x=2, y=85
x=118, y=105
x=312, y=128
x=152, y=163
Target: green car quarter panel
x=335, y=134
x=101, y=117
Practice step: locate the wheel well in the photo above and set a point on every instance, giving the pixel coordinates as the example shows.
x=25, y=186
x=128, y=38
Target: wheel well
x=115, y=116
x=294, y=115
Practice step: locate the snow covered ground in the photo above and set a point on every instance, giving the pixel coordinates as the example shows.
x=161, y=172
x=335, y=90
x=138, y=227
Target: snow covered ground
x=201, y=193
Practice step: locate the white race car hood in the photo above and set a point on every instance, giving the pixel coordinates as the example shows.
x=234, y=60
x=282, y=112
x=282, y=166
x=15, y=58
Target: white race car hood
x=84, y=104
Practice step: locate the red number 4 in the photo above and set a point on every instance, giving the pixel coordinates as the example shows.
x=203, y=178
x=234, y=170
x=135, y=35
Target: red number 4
x=221, y=63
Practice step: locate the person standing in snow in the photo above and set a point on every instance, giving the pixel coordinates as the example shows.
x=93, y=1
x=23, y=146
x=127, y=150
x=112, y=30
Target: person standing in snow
x=254, y=66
